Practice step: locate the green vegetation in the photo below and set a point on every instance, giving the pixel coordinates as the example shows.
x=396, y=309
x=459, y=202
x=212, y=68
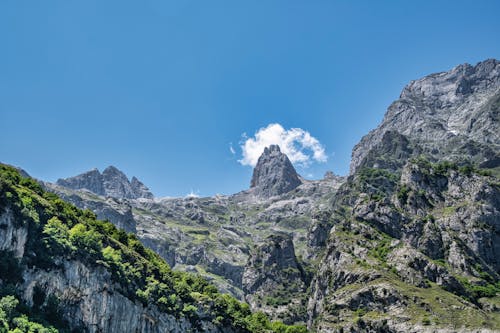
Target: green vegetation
x=58, y=230
x=403, y=194
x=382, y=248
x=12, y=320
x=442, y=168
x=479, y=289
x=377, y=183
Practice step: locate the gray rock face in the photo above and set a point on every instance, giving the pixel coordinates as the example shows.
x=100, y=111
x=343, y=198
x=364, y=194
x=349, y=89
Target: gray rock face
x=274, y=174
x=112, y=182
x=448, y=115
x=87, y=297
x=91, y=180
x=12, y=237
x=274, y=281
x=139, y=189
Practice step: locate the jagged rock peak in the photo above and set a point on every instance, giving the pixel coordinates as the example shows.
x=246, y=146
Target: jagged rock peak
x=111, y=182
x=274, y=174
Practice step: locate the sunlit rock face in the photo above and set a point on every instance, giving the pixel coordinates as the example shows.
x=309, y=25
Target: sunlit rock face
x=274, y=174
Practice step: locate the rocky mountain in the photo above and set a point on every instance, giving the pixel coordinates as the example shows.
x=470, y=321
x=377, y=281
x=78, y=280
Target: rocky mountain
x=112, y=183
x=450, y=116
x=414, y=236
x=274, y=174
x=215, y=237
x=63, y=270
x=408, y=242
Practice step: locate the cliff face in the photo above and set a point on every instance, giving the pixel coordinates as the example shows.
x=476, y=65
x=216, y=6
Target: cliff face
x=452, y=115
x=274, y=281
x=410, y=249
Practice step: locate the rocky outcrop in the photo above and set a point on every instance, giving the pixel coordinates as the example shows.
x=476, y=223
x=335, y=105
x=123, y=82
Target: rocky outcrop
x=274, y=281
x=274, y=174
x=91, y=180
x=451, y=115
x=139, y=189
x=117, y=211
x=112, y=182
x=13, y=236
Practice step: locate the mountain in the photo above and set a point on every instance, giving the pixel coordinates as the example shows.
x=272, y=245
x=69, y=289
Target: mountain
x=415, y=229
x=215, y=237
x=452, y=116
x=112, y=182
x=408, y=242
x=274, y=174
x=63, y=270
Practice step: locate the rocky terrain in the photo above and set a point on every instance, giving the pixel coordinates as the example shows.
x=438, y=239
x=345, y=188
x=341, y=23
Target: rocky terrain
x=111, y=183
x=62, y=270
x=452, y=115
x=216, y=237
x=408, y=242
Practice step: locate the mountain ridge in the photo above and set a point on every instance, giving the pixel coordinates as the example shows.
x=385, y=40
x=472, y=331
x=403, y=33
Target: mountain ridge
x=111, y=182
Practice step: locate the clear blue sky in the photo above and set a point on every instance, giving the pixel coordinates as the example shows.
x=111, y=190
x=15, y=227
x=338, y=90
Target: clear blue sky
x=161, y=88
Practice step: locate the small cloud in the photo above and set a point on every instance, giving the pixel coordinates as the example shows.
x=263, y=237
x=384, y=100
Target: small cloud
x=231, y=149
x=299, y=145
x=193, y=194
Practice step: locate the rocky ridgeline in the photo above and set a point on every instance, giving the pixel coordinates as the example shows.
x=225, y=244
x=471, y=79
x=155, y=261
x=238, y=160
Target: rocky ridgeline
x=453, y=115
x=112, y=182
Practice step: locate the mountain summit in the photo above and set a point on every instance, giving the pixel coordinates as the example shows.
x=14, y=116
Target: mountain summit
x=111, y=182
x=451, y=115
x=274, y=174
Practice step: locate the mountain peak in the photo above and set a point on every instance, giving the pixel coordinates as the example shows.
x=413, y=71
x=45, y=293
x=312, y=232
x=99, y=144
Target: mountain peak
x=272, y=149
x=452, y=115
x=111, y=182
x=274, y=174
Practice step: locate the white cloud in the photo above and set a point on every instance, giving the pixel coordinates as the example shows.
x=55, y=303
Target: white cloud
x=299, y=145
x=231, y=149
x=193, y=194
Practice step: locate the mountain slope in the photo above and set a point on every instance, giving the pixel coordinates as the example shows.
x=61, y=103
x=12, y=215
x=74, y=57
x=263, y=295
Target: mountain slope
x=415, y=230
x=97, y=278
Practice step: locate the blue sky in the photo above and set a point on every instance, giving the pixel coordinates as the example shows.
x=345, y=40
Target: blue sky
x=161, y=89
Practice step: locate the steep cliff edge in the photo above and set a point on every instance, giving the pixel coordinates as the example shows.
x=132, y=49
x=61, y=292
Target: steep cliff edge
x=274, y=281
